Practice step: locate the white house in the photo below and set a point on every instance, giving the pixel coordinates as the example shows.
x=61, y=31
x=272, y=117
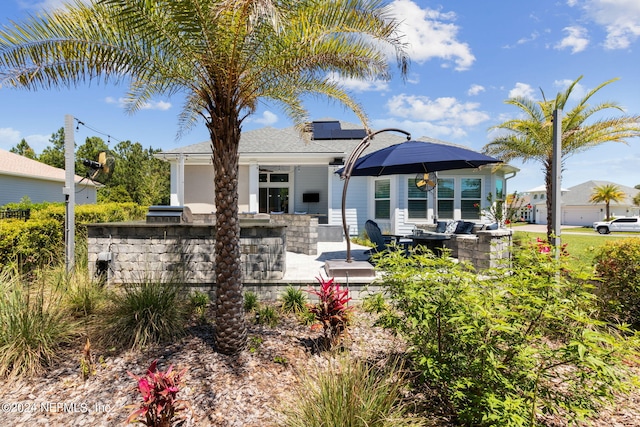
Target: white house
x=21, y=176
x=576, y=209
x=281, y=171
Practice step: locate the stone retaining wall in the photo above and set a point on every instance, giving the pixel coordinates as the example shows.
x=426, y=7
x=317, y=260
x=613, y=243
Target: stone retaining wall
x=135, y=252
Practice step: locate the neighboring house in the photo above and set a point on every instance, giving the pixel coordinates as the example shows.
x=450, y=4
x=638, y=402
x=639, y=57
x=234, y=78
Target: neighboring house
x=576, y=209
x=280, y=171
x=21, y=176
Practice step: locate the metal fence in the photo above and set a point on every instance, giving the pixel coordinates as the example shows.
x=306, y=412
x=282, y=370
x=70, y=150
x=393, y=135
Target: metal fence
x=16, y=213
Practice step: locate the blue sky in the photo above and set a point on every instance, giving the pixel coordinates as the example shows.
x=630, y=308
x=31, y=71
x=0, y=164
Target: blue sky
x=468, y=56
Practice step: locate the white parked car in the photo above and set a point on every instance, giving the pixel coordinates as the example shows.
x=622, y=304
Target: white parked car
x=618, y=224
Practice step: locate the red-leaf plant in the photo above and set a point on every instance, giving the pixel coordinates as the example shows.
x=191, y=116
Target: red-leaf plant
x=158, y=389
x=331, y=310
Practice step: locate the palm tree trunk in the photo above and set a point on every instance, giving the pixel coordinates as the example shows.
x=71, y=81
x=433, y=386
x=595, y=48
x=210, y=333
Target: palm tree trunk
x=230, y=329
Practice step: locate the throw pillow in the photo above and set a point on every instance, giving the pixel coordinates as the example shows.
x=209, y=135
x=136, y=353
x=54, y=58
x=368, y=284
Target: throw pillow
x=451, y=227
x=464, y=227
x=441, y=227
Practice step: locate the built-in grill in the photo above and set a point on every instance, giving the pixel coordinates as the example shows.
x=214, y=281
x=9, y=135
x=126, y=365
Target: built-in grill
x=168, y=215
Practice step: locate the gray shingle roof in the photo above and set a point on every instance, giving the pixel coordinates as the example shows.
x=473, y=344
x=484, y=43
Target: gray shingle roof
x=288, y=140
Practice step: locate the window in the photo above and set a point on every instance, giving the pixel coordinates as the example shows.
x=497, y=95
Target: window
x=499, y=189
x=446, y=194
x=417, y=200
x=382, y=196
x=470, y=193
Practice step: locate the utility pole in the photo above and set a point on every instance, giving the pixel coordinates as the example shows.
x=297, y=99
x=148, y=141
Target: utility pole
x=556, y=181
x=69, y=191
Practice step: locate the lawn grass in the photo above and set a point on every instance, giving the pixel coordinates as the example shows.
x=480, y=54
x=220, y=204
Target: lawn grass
x=582, y=247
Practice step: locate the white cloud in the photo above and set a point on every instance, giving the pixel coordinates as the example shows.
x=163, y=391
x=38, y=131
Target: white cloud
x=576, y=39
x=475, y=89
x=440, y=117
x=522, y=90
x=619, y=18
x=152, y=105
x=359, y=85
x=431, y=34
x=578, y=92
x=156, y=105
x=267, y=119
x=10, y=137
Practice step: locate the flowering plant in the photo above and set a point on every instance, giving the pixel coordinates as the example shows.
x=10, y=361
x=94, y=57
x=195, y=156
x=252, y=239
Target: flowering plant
x=544, y=247
x=331, y=310
x=158, y=390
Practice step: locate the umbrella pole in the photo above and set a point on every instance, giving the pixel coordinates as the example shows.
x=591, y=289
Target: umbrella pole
x=346, y=175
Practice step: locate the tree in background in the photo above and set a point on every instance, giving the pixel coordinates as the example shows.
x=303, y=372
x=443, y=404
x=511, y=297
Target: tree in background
x=224, y=57
x=607, y=193
x=531, y=137
x=138, y=176
x=24, y=149
x=53, y=155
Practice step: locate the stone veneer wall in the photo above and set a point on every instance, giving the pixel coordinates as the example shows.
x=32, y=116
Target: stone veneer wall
x=484, y=249
x=302, y=231
x=184, y=252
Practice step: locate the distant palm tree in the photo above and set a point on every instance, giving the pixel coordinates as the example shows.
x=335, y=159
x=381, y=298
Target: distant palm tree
x=531, y=137
x=607, y=193
x=224, y=56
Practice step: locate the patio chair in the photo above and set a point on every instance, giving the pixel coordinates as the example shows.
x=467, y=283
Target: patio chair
x=378, y=239
x=375, y=235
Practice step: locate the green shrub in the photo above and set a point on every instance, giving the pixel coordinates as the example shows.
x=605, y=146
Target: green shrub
x=39, y=241
x=198, y=302
x=374, y=303
x=508, y=346
x=250, y=301
x=267, y=315
x=31, y=244
x=617, y=266
x=33, y=325
x=146, y=314
x=83, y=296
x=293, y=300
x=351, y=393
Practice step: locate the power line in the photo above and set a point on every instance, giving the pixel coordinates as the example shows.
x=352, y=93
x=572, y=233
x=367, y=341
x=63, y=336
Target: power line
x=109, y=137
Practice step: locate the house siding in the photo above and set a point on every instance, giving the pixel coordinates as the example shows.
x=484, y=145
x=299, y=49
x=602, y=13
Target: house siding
x=14, y=188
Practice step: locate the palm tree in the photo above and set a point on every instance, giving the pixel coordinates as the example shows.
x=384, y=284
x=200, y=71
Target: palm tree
x=531, y=138
x=224, y=56
x=607, y=193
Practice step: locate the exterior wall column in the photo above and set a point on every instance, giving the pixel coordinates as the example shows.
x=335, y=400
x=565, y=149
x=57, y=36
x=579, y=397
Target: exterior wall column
x=254, y=181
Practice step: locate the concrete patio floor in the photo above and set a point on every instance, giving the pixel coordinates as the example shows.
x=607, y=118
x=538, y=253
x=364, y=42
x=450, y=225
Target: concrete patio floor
x=304, y=269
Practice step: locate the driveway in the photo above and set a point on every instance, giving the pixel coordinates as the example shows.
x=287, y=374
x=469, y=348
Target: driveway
x=573, y=229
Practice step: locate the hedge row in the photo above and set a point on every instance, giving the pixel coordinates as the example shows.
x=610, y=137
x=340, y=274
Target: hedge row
x=40, y=240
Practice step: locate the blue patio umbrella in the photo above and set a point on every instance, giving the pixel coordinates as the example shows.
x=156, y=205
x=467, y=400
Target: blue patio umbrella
x=418, y=157
x=405, y=158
